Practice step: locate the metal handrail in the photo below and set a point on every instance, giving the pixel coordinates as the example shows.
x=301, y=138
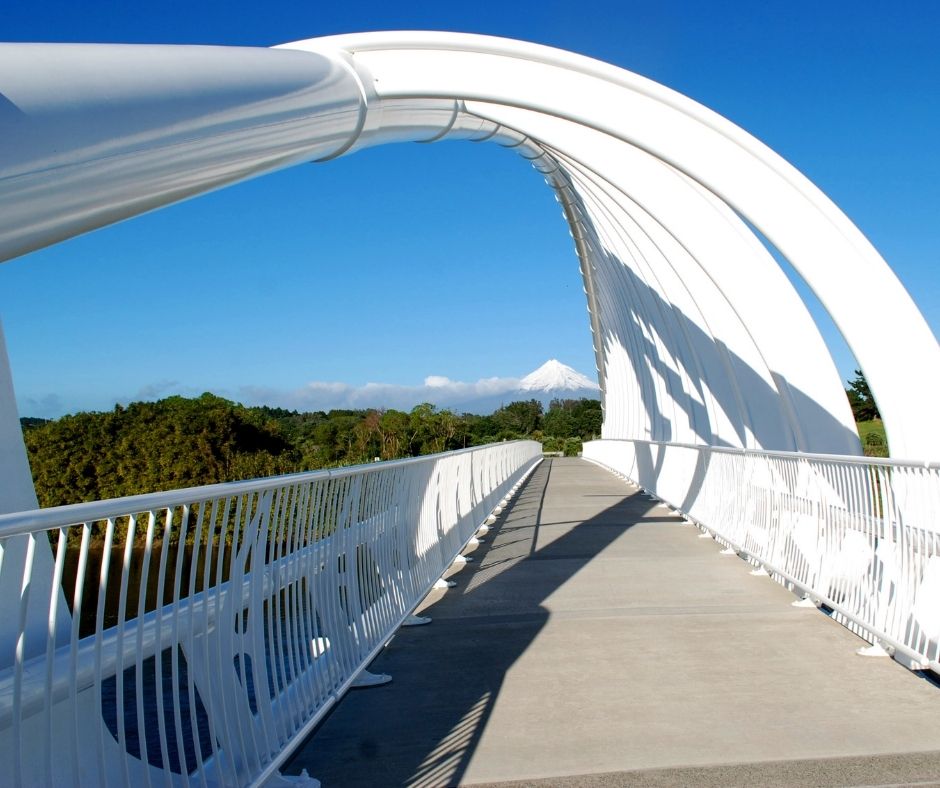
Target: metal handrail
x=17, y=523
x=212, y=627
x=846, y=459
x=860, y=535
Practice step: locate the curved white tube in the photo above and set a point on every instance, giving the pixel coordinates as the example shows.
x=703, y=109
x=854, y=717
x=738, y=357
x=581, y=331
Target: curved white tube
x=699, y=335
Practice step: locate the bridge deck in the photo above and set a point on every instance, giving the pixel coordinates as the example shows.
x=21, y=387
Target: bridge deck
x=597, y=641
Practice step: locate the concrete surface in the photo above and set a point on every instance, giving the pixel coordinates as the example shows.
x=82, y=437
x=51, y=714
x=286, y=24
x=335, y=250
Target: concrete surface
x=598, y=641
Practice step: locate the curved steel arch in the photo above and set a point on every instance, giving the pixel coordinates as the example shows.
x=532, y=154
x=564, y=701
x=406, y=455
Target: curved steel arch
x=699, y=335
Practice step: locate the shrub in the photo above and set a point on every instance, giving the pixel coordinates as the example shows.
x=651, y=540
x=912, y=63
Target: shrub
x=572, y=447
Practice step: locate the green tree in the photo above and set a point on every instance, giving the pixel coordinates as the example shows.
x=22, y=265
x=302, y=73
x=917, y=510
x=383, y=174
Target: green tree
x=573, y=418
x=368, y=438
x=394, y=426
x=559, y=423
x=421, y=428
x=150, y=446
x=179, y=442
x=519, y=418
x=861, y=400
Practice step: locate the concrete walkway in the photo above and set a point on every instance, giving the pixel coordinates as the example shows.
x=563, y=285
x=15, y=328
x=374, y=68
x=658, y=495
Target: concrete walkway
x=598, y=641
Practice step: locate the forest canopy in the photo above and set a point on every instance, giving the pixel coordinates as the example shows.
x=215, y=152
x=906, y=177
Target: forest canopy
x=180, y=442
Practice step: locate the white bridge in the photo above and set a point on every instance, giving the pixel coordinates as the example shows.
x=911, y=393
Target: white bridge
x=201, y=634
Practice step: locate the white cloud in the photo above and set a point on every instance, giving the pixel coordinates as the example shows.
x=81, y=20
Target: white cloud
x=436, y=389
x=482, y=396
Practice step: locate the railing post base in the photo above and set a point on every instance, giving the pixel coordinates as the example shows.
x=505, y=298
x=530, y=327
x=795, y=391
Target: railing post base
x=303, y=780
x=760, y=572
x=874, y=650
x=805, y=602
x=416, y=621
x=441, y=584
x=368, y=679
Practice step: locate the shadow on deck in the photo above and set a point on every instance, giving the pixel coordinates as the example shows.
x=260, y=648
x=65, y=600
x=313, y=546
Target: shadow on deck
x=596, y=640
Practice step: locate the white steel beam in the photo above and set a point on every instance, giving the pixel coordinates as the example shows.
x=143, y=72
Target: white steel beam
x=699, y=335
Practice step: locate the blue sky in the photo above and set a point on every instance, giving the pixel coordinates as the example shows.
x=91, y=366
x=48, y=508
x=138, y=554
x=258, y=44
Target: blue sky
x=450, y=260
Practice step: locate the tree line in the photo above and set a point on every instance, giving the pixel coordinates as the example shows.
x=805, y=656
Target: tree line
x=183, y=442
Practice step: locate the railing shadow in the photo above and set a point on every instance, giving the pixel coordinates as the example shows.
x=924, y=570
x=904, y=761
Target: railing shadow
x=423, y=729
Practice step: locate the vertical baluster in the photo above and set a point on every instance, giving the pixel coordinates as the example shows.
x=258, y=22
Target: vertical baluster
x=343, y=640
x=389, y=579
x=272, y=551
x=365, y=560
x=866, y=587
x=55, y=593
x=287, y=705
x=295, y=626
x=235, y=600
x=826, y=472
x=260, y=533
x=19, y=657
x=900, y=534
x=322, y=591
x=337, y=626
x=355, y=605
x=103, y=776
x=119, y=637
x=304, y=632
x=192, y=596
x=211, y=603
x=390, y=575
x=73, y=649
x=920, y=538
x=158, y=648
x=795, y=562
x=312, y=570
x=293, y=683
x=242, y=548
x=220, y=668
x=139, y=662
x=175, y=645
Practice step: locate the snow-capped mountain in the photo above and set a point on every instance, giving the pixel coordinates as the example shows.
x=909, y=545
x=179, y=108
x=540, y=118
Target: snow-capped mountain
x=552, y=380
x=555, y=376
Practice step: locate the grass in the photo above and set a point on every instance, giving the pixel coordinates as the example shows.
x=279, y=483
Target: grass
x=874, y=440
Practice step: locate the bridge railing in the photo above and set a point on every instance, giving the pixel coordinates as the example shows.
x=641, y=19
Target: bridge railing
x=857, y=534
x=208, y=630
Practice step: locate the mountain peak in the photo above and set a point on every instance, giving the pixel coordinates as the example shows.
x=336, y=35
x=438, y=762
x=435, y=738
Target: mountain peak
x=555, y=376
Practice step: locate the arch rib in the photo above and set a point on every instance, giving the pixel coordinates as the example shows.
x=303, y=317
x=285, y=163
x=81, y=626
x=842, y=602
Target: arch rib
x=178, y=121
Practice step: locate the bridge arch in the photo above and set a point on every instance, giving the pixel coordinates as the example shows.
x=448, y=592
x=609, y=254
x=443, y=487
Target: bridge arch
x=699, y=335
